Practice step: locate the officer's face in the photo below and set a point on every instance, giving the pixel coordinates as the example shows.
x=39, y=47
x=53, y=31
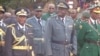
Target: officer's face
x=21, y=19
x=95, y=15
x=51, y=9
x=62, y=12
x=1, y=15
x=38, y=13
x=73, y=14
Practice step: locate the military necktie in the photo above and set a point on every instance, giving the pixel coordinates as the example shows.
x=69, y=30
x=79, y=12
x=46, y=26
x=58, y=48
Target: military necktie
x=62, y=20
x=95, y=25
x=39, y=21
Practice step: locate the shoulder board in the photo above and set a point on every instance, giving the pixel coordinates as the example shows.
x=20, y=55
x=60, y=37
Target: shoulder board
x=29, y=25
x=11, y=25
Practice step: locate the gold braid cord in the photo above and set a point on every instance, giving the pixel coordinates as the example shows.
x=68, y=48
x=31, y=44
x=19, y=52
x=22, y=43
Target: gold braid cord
x=2, y=33
x=33, y=53
x=18, y=39
x=71, y=54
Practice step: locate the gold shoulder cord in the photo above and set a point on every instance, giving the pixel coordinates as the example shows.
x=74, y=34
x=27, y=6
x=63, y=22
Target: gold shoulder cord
x=18, y=39
x=2, y=33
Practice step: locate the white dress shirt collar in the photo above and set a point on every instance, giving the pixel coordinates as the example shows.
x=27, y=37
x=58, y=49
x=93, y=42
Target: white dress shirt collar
x=37, y=18
x=63, y=19
x=93, y=21
x=22, y=27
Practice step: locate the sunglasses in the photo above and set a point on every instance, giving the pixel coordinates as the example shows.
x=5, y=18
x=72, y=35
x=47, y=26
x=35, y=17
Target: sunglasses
x=38, y=11
x=51, y=8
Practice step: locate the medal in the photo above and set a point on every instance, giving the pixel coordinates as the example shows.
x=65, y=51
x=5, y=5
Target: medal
x=80, y=26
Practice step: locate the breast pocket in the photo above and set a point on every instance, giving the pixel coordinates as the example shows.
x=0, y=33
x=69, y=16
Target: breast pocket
x=69, y=27
x=58, y=26
x=89, y=30
x=29, y=33
x=36, y=30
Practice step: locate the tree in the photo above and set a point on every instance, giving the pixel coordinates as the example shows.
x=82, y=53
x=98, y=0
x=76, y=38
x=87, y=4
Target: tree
x=21, y=3
x=4, y=2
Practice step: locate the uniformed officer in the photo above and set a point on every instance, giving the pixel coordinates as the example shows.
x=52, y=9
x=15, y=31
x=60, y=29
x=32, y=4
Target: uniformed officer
x=51, y=11
x=19, y=36
x=85, y=16
x=60, y=37
x=73, y=13
x=89, y=35
x=38, y=29
x=2, y=30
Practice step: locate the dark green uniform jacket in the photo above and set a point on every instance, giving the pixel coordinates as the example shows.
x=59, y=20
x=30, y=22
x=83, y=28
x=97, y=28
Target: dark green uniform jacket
x=87, y=40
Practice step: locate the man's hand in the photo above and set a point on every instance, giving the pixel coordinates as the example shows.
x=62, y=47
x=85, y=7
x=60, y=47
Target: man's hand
x=71, y=54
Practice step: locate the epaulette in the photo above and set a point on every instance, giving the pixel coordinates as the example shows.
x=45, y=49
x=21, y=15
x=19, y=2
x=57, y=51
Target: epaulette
x=11, y=25
x=29, y=25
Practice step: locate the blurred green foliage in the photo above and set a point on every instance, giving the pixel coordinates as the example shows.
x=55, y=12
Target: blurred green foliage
x=21, y=3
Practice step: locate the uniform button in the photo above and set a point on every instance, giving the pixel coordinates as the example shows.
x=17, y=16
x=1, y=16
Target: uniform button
x=87, y=47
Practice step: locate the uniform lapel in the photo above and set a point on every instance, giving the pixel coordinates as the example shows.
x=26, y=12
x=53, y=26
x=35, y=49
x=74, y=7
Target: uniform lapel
x=98, y=27
x=67, y=22
x=94, y=24
x=59, y=21
x=37, y=23
x=34, y=20
x=19, y=30
x=26, y=30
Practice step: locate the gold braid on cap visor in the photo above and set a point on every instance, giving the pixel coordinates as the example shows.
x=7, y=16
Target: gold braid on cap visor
x=96, y=10
x=22, y=12
x=62, y=5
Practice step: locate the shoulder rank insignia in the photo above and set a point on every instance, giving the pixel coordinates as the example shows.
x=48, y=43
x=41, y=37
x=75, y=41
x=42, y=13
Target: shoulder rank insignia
x=80, y=26
x=29, y=25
